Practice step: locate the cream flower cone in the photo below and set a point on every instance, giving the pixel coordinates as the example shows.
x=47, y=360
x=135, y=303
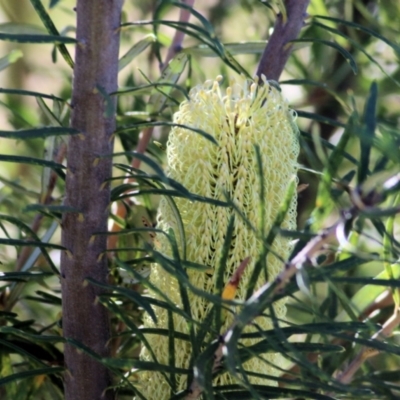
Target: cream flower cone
x=244, y=116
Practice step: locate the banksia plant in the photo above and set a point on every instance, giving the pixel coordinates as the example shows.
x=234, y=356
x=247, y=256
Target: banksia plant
x=246, y=116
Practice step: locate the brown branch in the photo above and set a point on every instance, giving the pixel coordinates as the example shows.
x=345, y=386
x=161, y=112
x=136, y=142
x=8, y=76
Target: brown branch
x=278, y=49
x=86, y=320
x=176, y=45
x=367, y=352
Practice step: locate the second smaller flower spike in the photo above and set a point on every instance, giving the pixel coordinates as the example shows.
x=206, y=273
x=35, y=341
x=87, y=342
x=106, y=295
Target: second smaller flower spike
x=244, y=116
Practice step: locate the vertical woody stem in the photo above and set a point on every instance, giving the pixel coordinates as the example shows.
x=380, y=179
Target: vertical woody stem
x=278, y=49
x=84, y=319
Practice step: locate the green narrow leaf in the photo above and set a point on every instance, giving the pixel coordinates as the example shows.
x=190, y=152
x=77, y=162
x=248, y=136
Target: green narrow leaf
x=203, y=35
x=323, y=328
x=53, y=119
x=393, y=283
x=147, y=89
x=303, y=82
x=154, y=181
x=30, y=93
x=48, y=23
x=131, y=294
x=51, y=208
x=204, y=21
x=135, y=329
x=44, y=297
x=108, y=100
x=50, y=148
x=8, y=315
x=142, y=125
x=32, y=337
x=178, y=219
x=53, y=3
x=261, y=204
x=132, y=363
x=324, y=202
x=362, y=28
x=336, y=157
x=135, y=50
x=171, y=350
x=30, y=243
x=29, y=374
x=170, y=75
x=38, y=133
x=204, y=50
x=105, y=361
x=219, y=286
x=202, y=369
x=142, y=157
x=21, y=351
x=42, y=39
x=183, y=287
x=368, y=133
x=167, y=304
x=31, y=160
x=283, y=209
x=165, y=333
x=307, y=136
x=357, y=46
x=23, y=276
x=10, y=58
x=266, y=346
x=320, y=118
x=348, y=57
x=28, y=231
x=21, y=28
x=35, y=254
x=369, y=293
x=85, y=349
x=206, y=330
x=268, y=392
x=52, y=145
x=175, y=193
x=225, y=55
x=6, y=369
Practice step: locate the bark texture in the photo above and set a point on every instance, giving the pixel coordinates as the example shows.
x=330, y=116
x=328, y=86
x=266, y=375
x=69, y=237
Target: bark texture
x=84, y=319
x=278, y=49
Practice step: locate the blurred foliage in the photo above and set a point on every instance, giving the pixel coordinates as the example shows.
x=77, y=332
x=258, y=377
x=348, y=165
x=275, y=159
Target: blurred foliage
x=343, y=80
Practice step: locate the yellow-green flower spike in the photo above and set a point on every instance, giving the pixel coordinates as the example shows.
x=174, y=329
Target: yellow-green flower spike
x=245, y=116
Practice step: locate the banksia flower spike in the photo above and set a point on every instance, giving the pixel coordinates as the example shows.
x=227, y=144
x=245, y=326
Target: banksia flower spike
x=247, y=115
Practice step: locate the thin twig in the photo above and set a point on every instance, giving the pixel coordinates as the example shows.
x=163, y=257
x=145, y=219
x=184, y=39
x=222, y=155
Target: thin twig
x=367, y=352
x=278, y=49
x=176, y=45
